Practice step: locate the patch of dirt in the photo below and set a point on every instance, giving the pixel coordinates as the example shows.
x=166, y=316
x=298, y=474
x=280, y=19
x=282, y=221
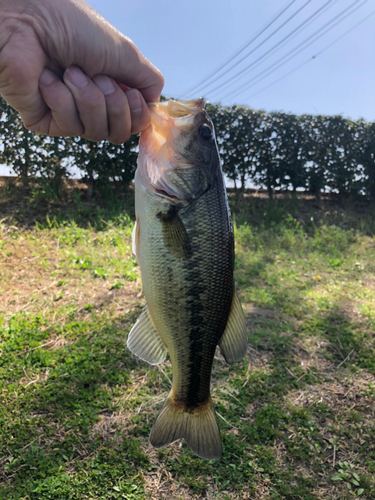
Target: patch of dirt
x=344, y=390
x=255, y=312
x=35, y=277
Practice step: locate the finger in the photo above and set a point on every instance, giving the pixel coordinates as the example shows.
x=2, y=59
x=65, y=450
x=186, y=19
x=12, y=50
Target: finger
x=90, y=103
x=118, y=110
x=63, y=118
x=140, y=113
x=138, y=107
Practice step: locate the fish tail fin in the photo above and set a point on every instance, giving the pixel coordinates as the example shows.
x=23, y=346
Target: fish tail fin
x=198, y=427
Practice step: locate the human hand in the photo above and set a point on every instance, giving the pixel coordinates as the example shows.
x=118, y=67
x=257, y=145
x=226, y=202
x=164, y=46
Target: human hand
x=59, y=64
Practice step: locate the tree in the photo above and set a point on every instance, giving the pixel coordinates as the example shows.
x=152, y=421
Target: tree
x=106, y=167
x=29, y=154
x=366, y=156
x=293, y=144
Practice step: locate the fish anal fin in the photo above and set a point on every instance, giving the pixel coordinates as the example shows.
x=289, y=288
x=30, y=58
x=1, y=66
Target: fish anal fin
x=233, y=343
x=175, y=236
x=145, y=342
x=199, y=428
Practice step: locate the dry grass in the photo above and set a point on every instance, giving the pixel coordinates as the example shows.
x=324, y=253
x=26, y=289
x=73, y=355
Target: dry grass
x=301, y=403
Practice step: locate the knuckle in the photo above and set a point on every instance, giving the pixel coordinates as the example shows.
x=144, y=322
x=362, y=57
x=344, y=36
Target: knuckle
x=119, y=137
x=92, y=103
x=72, y=131
x=117, y=111
x=93, y=97
x=95, y=136
x=161, y=81
x=35, y=128
x=17, y=72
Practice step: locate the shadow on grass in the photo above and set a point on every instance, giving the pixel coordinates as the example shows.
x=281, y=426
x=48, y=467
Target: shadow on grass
x=53, y=397
x=25, y=210
x=252, y=208
x=258, y=211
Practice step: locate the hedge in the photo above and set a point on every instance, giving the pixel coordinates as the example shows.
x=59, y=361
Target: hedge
x=269, y=150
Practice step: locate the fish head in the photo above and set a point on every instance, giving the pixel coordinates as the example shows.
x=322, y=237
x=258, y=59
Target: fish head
x=178, y=158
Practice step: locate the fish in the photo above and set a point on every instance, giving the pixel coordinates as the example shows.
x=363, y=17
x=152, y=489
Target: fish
x=184, y=244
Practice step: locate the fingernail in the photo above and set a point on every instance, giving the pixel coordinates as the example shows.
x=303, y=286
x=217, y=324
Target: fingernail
x=105, y=84
x=77, y=76
x=47, y=77
x=134, y=100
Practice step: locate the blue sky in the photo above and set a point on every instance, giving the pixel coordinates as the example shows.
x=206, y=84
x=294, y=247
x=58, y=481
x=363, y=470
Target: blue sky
x=187, y=40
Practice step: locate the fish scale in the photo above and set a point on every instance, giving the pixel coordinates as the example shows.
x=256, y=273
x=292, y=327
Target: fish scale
x=203, y=301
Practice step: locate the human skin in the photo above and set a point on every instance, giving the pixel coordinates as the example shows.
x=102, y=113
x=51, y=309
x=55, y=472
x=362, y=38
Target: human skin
x=68, y=72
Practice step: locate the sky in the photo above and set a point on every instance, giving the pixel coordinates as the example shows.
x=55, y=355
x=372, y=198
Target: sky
x=189, y=40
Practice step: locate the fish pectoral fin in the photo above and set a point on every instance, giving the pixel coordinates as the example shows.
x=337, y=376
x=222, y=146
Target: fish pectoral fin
x=135, y=240
x=199, y=428
x=233, y=343
x=175, y=236
x=145, y=342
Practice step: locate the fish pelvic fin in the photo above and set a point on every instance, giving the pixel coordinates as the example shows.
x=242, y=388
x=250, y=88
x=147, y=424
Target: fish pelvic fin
x=145, y=342
x=135, y=240
x=198, y=427
x=233, y=343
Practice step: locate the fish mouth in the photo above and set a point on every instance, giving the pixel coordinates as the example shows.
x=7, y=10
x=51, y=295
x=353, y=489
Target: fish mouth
x=159, y=159
x=178, y=109
x=168, y=117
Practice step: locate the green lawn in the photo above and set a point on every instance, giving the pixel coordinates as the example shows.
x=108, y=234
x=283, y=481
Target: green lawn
x=297, y=416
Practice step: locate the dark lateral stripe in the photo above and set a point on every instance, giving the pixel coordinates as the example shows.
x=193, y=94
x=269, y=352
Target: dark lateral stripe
x=206, y=326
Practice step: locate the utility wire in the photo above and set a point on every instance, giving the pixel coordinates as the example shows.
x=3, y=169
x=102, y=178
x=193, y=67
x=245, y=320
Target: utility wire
x=253, y=50
x=314, y=56
x=237, y=75
x=272, y=68
x=312, y=19
x=240, y=50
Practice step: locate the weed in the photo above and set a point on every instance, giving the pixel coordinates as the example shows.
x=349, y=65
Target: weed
x=296, y=416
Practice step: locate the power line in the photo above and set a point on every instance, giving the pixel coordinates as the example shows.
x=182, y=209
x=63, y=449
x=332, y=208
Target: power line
x=314, y=56
x=240, y=50
x=257, y=47
x=253, y=50
x=311, y=20
x=231, y=79
x=272, y=68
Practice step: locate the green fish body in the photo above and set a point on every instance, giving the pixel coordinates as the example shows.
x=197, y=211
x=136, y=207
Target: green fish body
x=183, y=240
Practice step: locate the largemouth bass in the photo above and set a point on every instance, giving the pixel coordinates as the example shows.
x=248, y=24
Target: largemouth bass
x=183, y=242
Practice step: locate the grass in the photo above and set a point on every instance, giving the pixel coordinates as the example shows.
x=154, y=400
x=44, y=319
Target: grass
x=296, y=416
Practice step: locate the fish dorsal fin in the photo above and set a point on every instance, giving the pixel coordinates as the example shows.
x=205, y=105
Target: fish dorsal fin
x=135, y=240
x=233, y=343
x=175, y=236
x=145, y=342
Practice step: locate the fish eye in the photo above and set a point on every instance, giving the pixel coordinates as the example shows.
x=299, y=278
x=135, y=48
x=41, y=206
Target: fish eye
x=205, y=132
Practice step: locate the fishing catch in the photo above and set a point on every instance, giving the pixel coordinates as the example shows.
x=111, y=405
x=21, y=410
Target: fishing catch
x=183, y=242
